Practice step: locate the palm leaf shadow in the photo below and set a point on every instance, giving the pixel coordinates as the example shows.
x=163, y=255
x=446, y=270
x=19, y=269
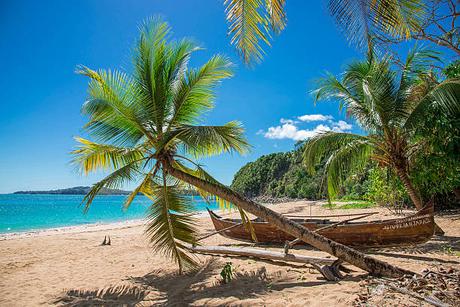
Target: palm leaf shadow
x=124, y=295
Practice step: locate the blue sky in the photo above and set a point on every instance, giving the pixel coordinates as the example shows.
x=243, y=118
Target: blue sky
x=41, y=95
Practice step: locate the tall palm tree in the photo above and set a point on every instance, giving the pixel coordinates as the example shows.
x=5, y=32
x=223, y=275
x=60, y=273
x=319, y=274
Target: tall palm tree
x=252, y=23
x=145, y=126
x=389, y=106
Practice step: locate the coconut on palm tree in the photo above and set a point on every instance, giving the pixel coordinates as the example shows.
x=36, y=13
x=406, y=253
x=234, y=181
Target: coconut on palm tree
x=389, y=105
x=145, y=127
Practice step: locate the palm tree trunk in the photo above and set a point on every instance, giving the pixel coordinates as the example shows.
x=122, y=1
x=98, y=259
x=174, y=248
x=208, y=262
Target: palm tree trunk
x=413, y=194
x=367, y=263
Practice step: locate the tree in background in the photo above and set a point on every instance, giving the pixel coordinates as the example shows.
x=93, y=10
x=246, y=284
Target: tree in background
x=389, y=105
x=437, y=167
x=278, y=175
x=439, y=26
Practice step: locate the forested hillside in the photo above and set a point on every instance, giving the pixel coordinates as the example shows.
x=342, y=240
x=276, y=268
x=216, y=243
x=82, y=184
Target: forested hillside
x=278, y=175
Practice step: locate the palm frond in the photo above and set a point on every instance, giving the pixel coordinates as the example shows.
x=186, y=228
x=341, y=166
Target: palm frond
x=447, y=96
x=144, y=187
x=115, y=180
x=444, y=97
x=150, y=59
x=91, y=156
x=349, y=93
x=324, y=144
x=399, y=18
x=194, y=94
x=203, y=141
x=350, y=157
x=247, y=224
x=248, y=28
x=198, y=172
x=276, y=15
x=360, y=19
x=112, y=119
x=170, y=225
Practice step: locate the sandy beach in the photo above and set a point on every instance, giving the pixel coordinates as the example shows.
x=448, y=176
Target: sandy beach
x=69, y=266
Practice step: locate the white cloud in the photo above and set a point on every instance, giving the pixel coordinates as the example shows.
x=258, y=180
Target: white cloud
x=290, y=131
x=341, y=126
x=315, y=117
x=287, y=121
x=289, y=128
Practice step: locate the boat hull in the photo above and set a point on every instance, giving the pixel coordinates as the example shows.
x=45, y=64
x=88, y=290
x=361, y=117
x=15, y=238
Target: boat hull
x=414, y=229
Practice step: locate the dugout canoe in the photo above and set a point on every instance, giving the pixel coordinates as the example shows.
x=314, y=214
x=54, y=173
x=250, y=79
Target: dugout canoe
x=414, y=229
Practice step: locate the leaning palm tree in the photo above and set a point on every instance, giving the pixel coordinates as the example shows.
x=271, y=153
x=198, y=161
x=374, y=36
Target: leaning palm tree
x=145, y=126
x=252, y=23
x=389, y=106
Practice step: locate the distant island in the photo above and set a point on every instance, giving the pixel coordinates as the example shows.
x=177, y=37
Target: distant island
x=85, y=190
x=76, y=191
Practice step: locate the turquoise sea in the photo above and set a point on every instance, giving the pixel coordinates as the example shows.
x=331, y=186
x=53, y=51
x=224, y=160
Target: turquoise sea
x=41, y=211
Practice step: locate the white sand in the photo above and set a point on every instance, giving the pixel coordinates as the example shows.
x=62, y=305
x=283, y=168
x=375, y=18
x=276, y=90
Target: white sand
x=39, y=268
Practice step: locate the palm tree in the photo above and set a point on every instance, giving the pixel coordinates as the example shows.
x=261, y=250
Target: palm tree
x=145, y=127
x=252, y=23
x=389, y=106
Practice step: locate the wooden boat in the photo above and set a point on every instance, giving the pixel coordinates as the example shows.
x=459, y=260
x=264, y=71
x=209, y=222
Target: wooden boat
x=415, y=229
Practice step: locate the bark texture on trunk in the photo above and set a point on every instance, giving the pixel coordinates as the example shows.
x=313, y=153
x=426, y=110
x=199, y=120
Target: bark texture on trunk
x=414, y=196
x=345, y=253
x=457, y=192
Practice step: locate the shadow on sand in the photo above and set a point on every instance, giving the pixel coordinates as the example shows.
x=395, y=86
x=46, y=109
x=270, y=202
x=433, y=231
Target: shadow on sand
x=205, y=284
x=112, y=296
x=437, y=245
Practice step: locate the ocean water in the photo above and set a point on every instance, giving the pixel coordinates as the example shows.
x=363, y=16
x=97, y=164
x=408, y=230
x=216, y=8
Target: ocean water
x=20, y=213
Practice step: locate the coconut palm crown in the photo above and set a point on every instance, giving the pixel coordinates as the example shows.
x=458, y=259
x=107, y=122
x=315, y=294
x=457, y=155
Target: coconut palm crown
x=143, y=123
x=389, y=105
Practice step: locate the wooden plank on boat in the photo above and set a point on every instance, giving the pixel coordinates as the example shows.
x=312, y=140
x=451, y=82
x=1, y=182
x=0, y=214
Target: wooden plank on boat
x=328, y=216
x=262, y=254
x=217, y=231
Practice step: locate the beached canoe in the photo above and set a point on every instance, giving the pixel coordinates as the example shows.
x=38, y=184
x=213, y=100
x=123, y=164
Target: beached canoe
x=414, y=229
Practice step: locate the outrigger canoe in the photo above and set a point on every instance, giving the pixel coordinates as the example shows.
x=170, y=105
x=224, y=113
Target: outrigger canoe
x=414, y=229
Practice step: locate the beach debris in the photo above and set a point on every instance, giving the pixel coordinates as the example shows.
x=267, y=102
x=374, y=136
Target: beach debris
x=438, y=287
x=106, y=241
x=328, y=267
x=227, y=273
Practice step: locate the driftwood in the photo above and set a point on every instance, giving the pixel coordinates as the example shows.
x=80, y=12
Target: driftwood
x=263, y=254
x=329, y=268
x=106, y=242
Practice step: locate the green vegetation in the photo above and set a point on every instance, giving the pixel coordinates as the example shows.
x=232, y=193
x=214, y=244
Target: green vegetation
x=390, y=105
x=410, y=152
x=278, y=175
x=452, y=70
x=227, y=273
